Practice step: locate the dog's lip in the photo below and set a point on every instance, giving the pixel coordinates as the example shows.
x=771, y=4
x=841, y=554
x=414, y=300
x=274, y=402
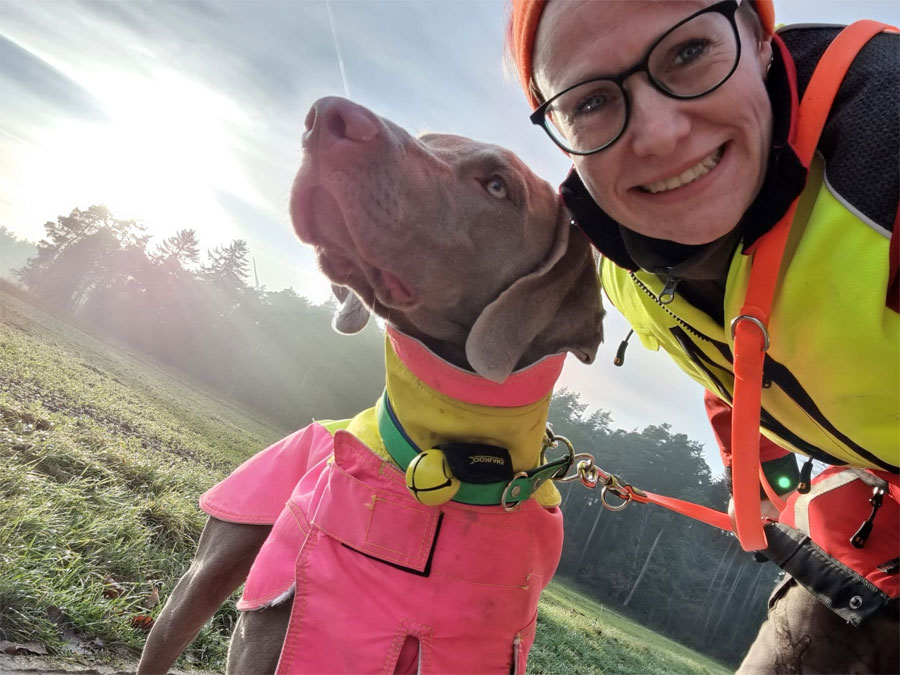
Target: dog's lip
x=310, y=206
x=317, y=217
x=337, y=267
x=370, y=283
x=399, y=293
x=308, y=209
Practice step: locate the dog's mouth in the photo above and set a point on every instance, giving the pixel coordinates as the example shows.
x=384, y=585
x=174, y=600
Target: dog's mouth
x=319, y=220
x=314, y=213
x=392, y=291
x=371, y=284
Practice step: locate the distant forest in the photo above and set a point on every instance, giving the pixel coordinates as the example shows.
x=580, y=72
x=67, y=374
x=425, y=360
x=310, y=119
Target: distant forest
x=14, y=252
x=275, y=353
x=272, y=351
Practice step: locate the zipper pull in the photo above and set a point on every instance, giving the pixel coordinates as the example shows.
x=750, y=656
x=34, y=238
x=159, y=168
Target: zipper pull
x=859, y=539
x=805, y=477
x=668, y=292
x=890, y=566
x=620, y=352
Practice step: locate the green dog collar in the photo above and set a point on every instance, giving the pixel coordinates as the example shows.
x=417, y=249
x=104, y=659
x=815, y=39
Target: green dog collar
x=508, y=493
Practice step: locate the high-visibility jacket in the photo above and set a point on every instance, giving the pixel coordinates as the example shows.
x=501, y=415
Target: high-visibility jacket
x=831, y=385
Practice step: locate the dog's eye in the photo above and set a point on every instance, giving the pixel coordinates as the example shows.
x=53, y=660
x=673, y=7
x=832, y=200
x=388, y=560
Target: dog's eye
x=496, y=187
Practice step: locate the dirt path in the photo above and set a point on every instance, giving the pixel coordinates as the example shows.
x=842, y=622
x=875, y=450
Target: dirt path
x=30, y=665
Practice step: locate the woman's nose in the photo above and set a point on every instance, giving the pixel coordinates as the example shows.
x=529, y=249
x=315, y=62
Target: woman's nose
x=657, y=122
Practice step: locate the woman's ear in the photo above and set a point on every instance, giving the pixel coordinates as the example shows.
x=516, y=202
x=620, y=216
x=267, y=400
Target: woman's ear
x=750, y=27
x=764, y=54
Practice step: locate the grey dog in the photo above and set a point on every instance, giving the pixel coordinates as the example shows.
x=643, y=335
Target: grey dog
x=457, y=244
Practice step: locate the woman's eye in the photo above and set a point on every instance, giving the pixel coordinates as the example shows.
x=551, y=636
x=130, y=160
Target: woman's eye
x=496, y=188
x=690, y=52
x=592, y=103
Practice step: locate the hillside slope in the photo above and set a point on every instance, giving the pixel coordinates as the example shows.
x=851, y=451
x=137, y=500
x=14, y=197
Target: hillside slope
x=104, y=457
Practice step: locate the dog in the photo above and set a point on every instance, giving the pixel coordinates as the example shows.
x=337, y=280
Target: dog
x=484, y=282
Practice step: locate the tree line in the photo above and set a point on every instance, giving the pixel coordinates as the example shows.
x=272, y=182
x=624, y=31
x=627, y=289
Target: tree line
x=275, y=353
x=14, y=252
x=272, y=351
x=685, y=579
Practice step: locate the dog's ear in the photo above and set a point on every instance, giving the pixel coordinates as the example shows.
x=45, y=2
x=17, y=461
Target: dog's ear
x=353, y=315
x=553, y=309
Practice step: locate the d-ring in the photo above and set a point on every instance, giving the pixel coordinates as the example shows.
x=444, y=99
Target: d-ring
x=576, y=461
x=516, y=490
x=626, y=500
x=759, y=324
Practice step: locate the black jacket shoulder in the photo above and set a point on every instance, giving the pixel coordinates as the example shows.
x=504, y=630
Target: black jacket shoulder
x=861, y=140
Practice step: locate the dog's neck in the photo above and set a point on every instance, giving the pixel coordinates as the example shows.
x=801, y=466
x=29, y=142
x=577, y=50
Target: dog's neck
x=438, y=402
x=450, y=347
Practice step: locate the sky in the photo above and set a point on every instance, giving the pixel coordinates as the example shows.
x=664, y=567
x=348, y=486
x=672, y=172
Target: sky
x=189, y=114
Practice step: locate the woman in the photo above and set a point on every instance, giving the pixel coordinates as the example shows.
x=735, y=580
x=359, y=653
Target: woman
x=679, y=118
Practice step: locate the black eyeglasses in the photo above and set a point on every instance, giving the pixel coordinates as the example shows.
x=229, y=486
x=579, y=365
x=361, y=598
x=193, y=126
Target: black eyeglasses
x=691, y=59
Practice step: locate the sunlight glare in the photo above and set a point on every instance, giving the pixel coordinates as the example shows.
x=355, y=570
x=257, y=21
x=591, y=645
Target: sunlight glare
x=162, y=160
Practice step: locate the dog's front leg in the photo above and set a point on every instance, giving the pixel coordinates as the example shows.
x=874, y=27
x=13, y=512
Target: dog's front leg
x=224, y=556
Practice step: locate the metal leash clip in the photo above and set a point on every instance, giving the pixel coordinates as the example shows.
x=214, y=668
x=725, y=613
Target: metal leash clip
x=591, y=475
x=551, y=440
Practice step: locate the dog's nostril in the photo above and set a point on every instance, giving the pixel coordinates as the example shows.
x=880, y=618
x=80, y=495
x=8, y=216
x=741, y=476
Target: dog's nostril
x=351, y=122
x=310, y=119
x=335, y=125
x=331, y=120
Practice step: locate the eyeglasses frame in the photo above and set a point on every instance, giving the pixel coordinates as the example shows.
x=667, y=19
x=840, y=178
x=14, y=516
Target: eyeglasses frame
x=727, y=8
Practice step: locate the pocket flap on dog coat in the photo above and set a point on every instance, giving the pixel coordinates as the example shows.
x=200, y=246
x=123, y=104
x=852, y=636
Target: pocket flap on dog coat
x=373, y=513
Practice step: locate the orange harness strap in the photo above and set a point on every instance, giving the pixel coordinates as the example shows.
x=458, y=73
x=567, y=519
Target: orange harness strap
x=751, y=338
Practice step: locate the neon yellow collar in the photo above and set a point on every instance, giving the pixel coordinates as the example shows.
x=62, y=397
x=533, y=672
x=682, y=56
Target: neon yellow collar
x=431, y=418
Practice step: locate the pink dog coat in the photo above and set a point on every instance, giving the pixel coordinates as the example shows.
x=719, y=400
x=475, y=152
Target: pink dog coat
x=382, y=583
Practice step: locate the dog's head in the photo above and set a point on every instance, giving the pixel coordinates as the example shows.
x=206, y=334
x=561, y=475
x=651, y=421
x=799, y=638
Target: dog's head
x=454, y=242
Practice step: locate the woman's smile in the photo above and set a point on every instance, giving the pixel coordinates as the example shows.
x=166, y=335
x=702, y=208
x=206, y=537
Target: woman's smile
x=686, y=177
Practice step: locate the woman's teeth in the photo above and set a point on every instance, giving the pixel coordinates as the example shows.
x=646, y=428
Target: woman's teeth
x=701, y=168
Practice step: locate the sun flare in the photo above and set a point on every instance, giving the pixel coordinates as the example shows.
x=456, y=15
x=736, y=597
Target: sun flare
x=163, y=157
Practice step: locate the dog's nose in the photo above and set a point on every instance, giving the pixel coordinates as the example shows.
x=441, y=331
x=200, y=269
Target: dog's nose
x=336, y=119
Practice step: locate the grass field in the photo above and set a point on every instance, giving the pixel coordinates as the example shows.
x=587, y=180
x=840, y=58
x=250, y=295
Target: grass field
x=104, y=457
x=576, y=635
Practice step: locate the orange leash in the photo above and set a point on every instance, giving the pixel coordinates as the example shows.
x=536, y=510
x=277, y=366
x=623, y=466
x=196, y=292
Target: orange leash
x=593, y=476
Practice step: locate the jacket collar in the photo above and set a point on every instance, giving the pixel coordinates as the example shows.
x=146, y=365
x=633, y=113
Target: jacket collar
x=784, y=180
x=437, y=402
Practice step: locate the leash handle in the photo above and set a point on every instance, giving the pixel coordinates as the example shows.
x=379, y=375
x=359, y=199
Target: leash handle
x=750, y=328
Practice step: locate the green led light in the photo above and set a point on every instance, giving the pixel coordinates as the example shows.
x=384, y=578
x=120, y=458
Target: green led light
x=784, y=482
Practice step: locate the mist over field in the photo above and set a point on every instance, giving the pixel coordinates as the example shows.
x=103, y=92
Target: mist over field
x=158, y=369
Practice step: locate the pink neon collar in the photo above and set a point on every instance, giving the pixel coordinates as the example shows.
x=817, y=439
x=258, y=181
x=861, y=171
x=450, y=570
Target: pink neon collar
x=523, y=387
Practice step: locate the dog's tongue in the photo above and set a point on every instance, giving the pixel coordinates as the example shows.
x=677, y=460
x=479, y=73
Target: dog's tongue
x=400, y=294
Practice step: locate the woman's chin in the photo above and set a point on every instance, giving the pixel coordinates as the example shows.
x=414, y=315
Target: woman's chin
x=688, y=232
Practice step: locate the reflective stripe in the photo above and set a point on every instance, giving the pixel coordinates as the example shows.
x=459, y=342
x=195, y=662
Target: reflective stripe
x=801, y=506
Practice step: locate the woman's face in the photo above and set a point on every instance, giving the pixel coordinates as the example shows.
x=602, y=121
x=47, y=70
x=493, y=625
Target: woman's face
x=683, y=170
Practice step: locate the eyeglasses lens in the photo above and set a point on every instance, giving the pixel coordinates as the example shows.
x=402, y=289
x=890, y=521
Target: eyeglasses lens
x=695, y=57
x=688, y=61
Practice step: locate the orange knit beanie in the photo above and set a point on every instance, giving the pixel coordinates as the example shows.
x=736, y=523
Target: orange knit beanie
x=526, y=15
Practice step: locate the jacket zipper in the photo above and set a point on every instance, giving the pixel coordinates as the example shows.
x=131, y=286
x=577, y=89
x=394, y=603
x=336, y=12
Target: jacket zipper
x=667, y=294
x=670, y=281
x=698, y=358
